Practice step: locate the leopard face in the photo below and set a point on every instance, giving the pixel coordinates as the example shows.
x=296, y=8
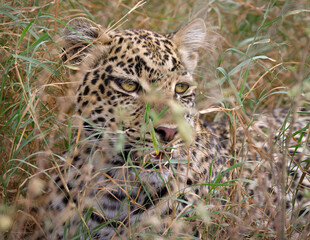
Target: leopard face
x=133, y=82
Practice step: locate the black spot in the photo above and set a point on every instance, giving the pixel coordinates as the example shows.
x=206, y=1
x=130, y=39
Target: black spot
x=189, y=182
x=85, y=78
x=167, y=42
x=120, y=40
x=117, y=50
x=94, y=81
x=109, y=69
x=84, y=103
x=101, y=119
x=120, y=64
x=109, y=93
x=166, y=57
x=174, y=61
x=111, y=110
x=95, y=77
x=101, y=88
x=112, y=59
x=95, y=93
x=126, y=70
x=99, y=110
x=79, y=98
x=65, y=200
x=86, y=90
x=111, y=50
x=76, y=158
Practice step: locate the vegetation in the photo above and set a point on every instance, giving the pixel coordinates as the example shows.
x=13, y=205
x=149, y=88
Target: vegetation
x=257, y=58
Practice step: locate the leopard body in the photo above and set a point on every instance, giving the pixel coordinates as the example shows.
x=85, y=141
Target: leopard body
x=142, y=150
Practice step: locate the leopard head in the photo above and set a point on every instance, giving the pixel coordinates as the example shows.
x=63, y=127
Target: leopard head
x=136, y=91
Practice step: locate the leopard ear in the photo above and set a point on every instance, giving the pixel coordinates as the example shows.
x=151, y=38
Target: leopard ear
x=79, y=37
x=188, y=40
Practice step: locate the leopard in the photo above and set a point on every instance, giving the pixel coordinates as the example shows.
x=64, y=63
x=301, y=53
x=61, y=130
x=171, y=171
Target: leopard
x=145, y=161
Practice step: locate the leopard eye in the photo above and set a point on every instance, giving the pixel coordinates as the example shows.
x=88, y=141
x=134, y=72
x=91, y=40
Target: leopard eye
x=181, y=87
x=130, y=86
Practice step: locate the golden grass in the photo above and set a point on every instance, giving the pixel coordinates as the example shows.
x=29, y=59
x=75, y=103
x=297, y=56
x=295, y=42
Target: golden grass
x=258, y=58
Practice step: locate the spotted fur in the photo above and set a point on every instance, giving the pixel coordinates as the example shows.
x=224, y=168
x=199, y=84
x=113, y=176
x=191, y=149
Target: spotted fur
x=146, y=152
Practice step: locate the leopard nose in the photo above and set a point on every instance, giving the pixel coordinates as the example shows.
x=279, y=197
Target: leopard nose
x=166, y=133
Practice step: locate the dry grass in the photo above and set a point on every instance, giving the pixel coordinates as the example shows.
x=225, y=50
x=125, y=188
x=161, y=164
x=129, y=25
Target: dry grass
x=258, y=58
